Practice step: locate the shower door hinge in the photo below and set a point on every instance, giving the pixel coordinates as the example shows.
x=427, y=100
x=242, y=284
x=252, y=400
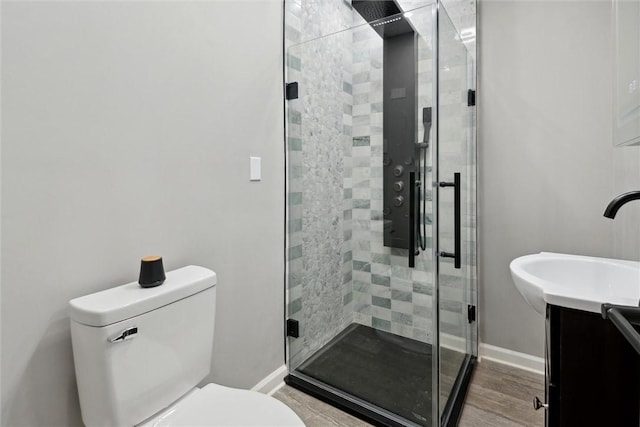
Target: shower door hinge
x=471, y=313
x=471, y=97
x=291, y=91
x=293, y=328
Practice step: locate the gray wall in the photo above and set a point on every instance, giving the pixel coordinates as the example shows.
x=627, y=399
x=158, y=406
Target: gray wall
x=127, y=129
x=626, y=177
x=548, y=167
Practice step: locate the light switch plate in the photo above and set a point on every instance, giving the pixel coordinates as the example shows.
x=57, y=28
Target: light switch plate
x=255, y=171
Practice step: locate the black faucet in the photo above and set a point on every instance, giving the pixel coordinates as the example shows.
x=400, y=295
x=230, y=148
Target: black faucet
x=620, y=200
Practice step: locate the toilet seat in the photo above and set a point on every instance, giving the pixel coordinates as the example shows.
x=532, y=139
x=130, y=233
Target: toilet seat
x=216, y=405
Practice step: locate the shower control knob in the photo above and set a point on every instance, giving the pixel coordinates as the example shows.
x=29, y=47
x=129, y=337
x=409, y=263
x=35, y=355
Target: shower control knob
x=408, y=161
x=398, y=186
x=398, y=170
x=386, y=211
x=398, y=201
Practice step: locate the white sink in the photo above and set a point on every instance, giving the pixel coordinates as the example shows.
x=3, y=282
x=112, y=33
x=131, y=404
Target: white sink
x=575, y=281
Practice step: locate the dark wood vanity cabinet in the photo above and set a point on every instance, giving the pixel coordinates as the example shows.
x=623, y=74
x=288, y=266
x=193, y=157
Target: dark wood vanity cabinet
x=593, y=373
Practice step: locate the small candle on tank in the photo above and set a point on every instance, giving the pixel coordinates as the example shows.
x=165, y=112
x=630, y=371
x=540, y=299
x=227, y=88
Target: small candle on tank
x=151, y=272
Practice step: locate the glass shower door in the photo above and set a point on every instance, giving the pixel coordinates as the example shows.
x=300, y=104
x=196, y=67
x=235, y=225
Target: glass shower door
x=457, y=273
x=361, y=320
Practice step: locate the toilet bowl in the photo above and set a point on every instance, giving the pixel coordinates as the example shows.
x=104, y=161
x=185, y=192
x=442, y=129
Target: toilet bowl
x=139, y=354
x=216, y=405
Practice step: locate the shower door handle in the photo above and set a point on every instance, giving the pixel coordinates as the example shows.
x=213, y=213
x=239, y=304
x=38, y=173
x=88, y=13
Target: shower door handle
x=412, y=219
x=456, y=218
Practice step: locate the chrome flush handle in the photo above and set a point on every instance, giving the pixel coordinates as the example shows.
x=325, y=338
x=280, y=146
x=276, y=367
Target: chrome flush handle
x=125, y=335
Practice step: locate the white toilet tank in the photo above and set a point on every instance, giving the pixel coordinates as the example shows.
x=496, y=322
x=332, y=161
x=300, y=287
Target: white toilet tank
x=137, y=350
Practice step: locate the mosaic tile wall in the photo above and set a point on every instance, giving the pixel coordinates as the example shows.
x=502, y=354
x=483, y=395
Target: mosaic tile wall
x=338, y=270
x=318, y=177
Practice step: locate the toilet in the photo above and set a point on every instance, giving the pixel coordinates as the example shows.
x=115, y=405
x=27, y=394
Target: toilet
x=139, y=354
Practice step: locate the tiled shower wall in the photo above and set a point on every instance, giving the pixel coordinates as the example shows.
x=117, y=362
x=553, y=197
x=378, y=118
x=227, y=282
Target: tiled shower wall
x=338, y=270
x=387, y=294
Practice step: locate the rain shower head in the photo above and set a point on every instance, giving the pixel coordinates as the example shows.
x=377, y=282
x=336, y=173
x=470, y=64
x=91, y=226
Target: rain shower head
x=372, y=10
x=385, y=16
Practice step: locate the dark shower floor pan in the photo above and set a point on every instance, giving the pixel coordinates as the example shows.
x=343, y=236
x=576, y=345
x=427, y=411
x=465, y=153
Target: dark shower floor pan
x=386, y=370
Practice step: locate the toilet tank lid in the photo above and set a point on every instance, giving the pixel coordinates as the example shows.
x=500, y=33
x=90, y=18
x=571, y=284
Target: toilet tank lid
x=130, y=300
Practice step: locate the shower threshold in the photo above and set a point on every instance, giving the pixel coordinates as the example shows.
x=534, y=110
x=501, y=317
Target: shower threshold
x=380, y=377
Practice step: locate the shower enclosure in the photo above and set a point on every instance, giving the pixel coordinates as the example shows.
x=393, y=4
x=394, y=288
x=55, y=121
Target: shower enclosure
x=381, y=208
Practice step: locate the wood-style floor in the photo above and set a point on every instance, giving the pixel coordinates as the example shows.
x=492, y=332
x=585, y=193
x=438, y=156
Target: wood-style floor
x=499, y=396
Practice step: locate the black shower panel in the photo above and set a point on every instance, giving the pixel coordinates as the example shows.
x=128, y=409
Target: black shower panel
x=400, y=148
x=399, y=136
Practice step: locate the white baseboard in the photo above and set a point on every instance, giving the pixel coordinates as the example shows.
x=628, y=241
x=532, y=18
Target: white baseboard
x=511, y=358
x=272, y=382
